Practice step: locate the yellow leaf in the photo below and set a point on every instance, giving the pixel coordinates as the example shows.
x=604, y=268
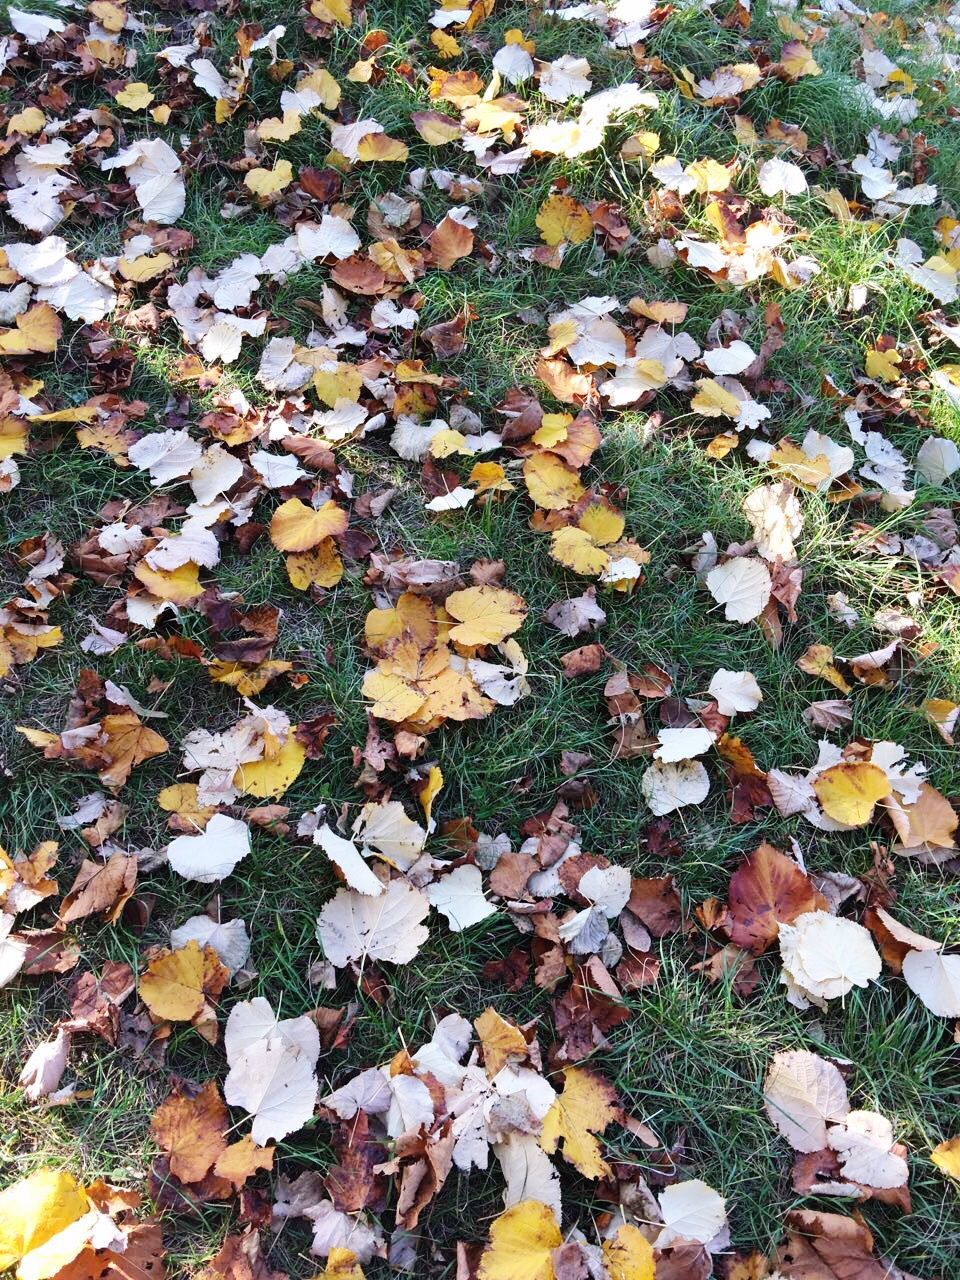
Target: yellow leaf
x=161, y=114
x=112, y=17
x=500, y=1039
x=341, y=1265
x=272, y=775
x=946, y=1157
x=378, y=146
x=135, y=96
x=269, y=182
x=550, y=483
x=817, y=660
x=338, y=381
x=435, y=128
x=489, y=477
x=36, y=1208
x=324, y=85
x=629, y=1255
x=712, y=401
x=561, y=218
x=445, y=45
x=273, y=129
x=848, y=791
x=37, y=331
x=431, y=789
x=321, y=566
x=553, y=429
x=247, y=680
x=603, y=522
x=577, y=550
x=297, y=527
x=172, y=987
x=584, y=1108
x=146, y=267
x=522, y=1241
x=796, y=60
x=181, y=798
x=333, y=11
x=708, y=176
x=28, y=121
x=485, y=615
x=180, y=586
x=13, y=437
x=392, y=698
x=883, y=364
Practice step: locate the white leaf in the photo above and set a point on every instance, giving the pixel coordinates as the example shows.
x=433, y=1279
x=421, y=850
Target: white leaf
x=347, y=857
x=386, y=828
x=824, y=957
x=529, y=1172
x=353, y=926
x=780, y=177
x=607, y=888
x=935, y=978
x=937, y=460
x=730, y=360
x=254, y=1022
x=368, y=1092
x=229, y=939
x=742, y=585
x=667, y=787
x=691, y=1211
x=213, y=853
x=411, y=1105
x=682, y=744
x=334, y=237
x=564, y=78
x=863, y=1145
x=801, y=1093
x=42, y=1070
x=459, y=896
x=274, y=1082
x=456, y=500
x=735, y=691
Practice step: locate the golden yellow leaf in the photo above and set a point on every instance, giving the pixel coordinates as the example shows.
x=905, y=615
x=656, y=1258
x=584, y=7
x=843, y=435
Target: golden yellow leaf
x=603, y=522
x=946, y=1156
x=884, y=365
x=797, y=60
x=321, y=566
x=181, y=798
x=561, y=218
x=135, y=96
x=146, y=267
x=241, y=1160
x=28, y=121
x=485, y=615
x=179, y=586
x=713, y=401
x=297, y=527
x=848, y=791
x=362, y=71
x=629, y=1255
x=127, y=742
x=379, y=146
x=817, y=660
x=393, y=699
x=554, y=429
x=551, y=484
x=273, y=129
x=500, y=1039
x=35, y=1209
x=264, y=183
x=341, y=1265
x=575, y=548
x=13, y=437
x=272, y=775
x=172, y=986
x=247, y=680
x=338, y=381
x=333, y=11
x=430, y=790
x=584, y=1108
x=161, y=114
x=37, y=332
x=435, y=128
x=445, y=45
x=522, y=1241
x=708, y=176
x=112, y=17
x=489, y=477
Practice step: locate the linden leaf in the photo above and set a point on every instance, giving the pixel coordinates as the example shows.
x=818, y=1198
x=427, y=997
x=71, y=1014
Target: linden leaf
x=946, y=1156
x=563, y=219
x=272, y=775
x=584, y=1108
x=35, y=1209
x=767, y=888
x=135, y=96
x=264, y=183
x=576, y=549
x=485, y=615
x=501, y=1040
x=522, y=1241
x=629, y=1255
x=393, y=699
x=848, y=791
x=297, y=527
x=172, y=987
x=550, y=483
x=712, y=401
x=191, y=1131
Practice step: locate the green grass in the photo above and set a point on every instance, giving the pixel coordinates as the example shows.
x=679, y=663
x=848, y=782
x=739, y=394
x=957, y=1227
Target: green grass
x=691, y=1060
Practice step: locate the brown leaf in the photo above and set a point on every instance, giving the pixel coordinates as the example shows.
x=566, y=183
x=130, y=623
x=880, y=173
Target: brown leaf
x=767, y=889
x=100, y=888
x=191, y=1131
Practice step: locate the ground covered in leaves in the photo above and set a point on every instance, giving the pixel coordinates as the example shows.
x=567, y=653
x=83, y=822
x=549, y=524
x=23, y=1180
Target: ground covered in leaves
x=480, y=653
